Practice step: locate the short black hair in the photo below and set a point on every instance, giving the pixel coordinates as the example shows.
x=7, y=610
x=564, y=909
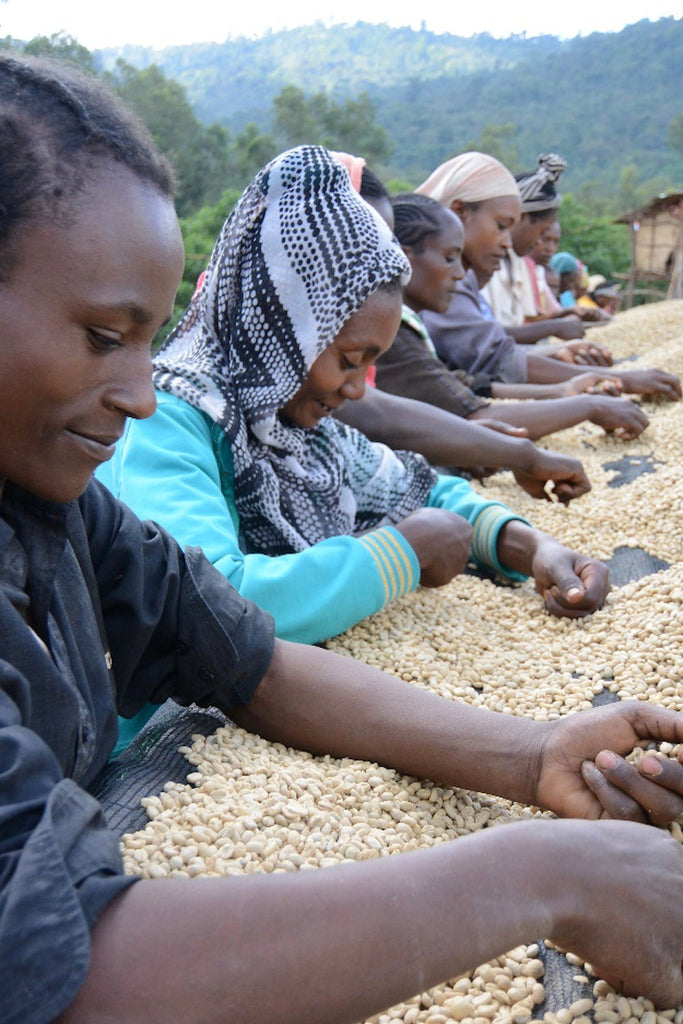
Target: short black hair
x=371, y=187
x=416, y=218
x=56, y=125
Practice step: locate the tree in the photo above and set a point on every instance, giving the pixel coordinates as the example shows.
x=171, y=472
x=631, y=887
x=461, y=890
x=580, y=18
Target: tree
x=252, y=150
x=163, y=106
x=61, y=46
x=495, y=140
x=349, y=126
x=597, y=241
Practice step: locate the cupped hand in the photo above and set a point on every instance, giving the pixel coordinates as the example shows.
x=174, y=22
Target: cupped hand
x=620, y=416
x=586, y=353
x=572, y=585
x=553, y=475
x=441, y=542
x=652, y=382
x=583, y=772
x=624, y=885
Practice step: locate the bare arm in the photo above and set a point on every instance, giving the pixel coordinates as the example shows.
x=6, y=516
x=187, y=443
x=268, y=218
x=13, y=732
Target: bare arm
x=541, y=418
x=448, y=440
x=343, y=943
x=201, y=950
x=541, y=370
x=566, y=328
x=443, y=438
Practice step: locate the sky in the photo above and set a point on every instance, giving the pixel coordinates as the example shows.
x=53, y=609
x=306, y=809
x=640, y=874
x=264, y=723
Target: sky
x=160, y=23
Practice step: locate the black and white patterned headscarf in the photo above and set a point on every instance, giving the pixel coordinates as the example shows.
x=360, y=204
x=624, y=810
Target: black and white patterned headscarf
x=538, y=189
x=300, y=253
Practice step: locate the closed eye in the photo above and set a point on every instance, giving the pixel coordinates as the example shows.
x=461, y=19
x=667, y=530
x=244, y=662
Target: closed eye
x=101, y=342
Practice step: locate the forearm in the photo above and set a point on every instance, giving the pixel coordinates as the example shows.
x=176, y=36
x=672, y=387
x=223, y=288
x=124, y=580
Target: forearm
x=539, y=391
x=443, y=438
x=541, y=418
x=380, y=718
x=543, y=370
x=288, y=948
x=530, y=333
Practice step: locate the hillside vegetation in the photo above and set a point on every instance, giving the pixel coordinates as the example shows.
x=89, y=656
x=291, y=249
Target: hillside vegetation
x=606, y=100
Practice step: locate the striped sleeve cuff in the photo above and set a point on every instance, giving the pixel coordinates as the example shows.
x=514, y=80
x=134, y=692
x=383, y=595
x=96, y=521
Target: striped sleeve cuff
x=395, y=561
x=487, y=527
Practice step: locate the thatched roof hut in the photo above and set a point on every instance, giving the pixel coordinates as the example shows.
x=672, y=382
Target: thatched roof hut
x=657, y=244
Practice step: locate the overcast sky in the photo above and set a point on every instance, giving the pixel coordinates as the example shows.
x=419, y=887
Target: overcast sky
x=162, y=23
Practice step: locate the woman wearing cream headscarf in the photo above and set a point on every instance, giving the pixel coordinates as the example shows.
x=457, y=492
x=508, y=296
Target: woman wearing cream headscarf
x=486, y=197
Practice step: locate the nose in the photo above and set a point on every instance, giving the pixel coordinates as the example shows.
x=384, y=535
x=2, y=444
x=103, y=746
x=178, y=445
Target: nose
x=131, y=390
x=506, y=238
x=458, y=271
x=353, y=387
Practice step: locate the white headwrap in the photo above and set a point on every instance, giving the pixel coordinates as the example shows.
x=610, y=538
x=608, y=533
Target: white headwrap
x=470, y=177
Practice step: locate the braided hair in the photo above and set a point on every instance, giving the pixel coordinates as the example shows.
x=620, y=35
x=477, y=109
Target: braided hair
x=416, y=218
x=56, y=126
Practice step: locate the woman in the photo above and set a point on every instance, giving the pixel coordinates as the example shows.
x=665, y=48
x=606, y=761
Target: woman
x=301, y=295
x=483, y=193
x=99, y=611
x=432, y=237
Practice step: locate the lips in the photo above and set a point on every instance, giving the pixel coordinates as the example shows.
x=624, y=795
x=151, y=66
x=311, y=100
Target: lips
x=99, y=447
x=329, y=409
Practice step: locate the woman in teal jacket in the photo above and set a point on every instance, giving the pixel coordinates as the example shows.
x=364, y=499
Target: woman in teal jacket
x=303, y=514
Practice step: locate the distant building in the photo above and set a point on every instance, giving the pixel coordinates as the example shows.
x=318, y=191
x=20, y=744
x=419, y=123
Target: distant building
x=656, y=244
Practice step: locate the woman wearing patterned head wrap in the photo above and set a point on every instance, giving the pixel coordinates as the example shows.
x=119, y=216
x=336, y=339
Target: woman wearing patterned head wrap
x=243, y=458
x=241, y=377
x=486, y=197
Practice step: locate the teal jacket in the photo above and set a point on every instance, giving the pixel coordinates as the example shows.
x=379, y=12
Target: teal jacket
x=176, y=468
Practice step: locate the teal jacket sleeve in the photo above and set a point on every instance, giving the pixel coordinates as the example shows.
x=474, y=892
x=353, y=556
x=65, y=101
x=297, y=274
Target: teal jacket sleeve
x=176, y=468
x=487, y=519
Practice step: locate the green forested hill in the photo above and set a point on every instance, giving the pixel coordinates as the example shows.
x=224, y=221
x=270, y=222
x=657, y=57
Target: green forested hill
x=236, y=81
x=605, y=101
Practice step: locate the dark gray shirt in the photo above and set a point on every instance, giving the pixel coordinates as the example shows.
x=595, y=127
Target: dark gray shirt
x=466, y=340
x=410, y=370
x=99, y=613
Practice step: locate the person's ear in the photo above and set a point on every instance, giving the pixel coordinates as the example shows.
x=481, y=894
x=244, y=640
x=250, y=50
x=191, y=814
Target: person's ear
x=461, y=210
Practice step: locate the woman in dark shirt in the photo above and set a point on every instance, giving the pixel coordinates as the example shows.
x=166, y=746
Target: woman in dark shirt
x=98, y=610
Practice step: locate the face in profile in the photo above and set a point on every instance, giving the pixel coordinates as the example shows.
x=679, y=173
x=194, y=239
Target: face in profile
x=78, y=314
x=338, y=374
x=488, y=233
x=436, y=265
x=530, y=230
x=547, y=245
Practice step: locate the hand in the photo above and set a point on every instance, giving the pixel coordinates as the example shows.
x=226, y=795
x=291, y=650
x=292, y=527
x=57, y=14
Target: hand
x=572, y=585
x=624, y=889
x=620, y=416
x=592, y=382
x=652, y=382
x=567, y=328
x=564, y=474
x=591, y=314
x=441, y=541
x=583, y=773
x=584, y=352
